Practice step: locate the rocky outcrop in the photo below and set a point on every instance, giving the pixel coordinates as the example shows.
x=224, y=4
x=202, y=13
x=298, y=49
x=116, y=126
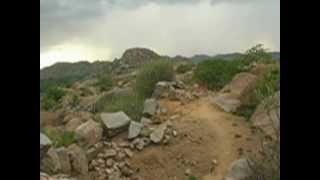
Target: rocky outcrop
x=44, y=176
x=89, y=133
x=115, y=122
x=233, y=94
x=51, y=163
x=79, y=162
x=267, y=115
x=138, y=56
x=64, y=160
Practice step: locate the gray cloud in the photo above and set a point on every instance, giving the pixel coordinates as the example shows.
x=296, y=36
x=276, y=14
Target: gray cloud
x=169, y=27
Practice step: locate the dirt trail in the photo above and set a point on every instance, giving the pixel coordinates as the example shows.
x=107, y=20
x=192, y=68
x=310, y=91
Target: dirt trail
x=205, y=133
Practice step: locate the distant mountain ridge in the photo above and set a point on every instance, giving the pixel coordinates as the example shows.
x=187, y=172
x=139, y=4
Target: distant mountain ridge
x=229, y=56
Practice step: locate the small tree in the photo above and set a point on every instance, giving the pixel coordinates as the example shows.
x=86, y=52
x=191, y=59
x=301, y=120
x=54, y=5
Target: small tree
x=258, y=54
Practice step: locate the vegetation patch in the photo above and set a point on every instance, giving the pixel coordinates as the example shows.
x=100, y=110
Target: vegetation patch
x=59, y=137
x=183, y=68
x=52, y=98
x=130, y=103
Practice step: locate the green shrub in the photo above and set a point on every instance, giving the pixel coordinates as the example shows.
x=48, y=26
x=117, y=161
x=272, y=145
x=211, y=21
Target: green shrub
x=258, y=54
x=183, y=68
x=192, y=178
x=215, y=73
x=52, y=98
x=150, y=74
x=266, y=86
x=59, y=137
x=104, y=82
x=131, y=104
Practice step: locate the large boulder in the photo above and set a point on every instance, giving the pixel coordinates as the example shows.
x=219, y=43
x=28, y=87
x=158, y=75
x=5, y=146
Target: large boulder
x=89, y=133
x=161, y=89
x=235, y=93
x=134, y=129
x=44, y=176
x=73, y=124
x=79, y=161
x=239, y=170
x=115, y=122
x=64, y=160
x=45, y=144
x=267, y=116
x=51, y=163
x=150, y=107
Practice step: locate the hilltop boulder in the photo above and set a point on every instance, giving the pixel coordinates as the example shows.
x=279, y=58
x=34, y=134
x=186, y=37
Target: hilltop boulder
x=234, y=93
x=138, y=56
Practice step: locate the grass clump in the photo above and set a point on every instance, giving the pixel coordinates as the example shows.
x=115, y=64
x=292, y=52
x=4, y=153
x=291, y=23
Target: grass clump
x=130, y=103
x=52, y=98
x=59, y=137
x=150, y=74
x=104, y=82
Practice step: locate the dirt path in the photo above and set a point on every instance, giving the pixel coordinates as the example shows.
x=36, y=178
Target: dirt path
x=205, y=133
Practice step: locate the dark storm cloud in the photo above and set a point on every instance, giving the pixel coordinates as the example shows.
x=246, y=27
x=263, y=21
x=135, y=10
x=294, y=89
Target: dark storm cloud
x=169, y=26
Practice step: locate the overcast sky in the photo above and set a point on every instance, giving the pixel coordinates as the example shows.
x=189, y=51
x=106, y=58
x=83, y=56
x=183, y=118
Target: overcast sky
x=73, y=30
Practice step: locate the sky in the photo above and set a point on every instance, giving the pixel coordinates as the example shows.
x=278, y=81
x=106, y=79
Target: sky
x=75, y=30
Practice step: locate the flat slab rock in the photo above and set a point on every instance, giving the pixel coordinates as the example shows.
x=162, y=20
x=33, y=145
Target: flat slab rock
x=115, y=120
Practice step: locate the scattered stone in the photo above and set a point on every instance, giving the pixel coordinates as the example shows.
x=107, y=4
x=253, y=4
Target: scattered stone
x=166, y=139
x=174, y=133
x=176, y=116
x=187, y=172
x=109, y=163
x=239, y=170
x=237, y=135
x=157, y=135
x=110, y=153
x=115, y=175
x=88, y=134
x=150, y=107
x=145, y=132
x=45, y=144
x=126, y=171
x=120, y=156
x=134, y=129
x=124, y=144
x=145, y=121
x=214, y=162
x=128, y=152
x=138, y=143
